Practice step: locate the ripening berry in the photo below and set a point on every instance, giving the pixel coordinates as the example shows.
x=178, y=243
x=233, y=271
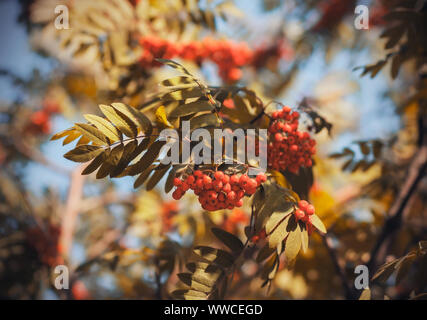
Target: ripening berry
x=225, y=179
x=310, y=209
x=177, y=182
x=219, y=175
x=252, y=184
x=231, y=196
x=177, y=194
x=199, y=183
x=299, y=214
x=278, y=137
x=303, y=205
x=184, y=186
x=226, y=188
x=198, y=174
x=207, y=179
x=217, y=185
x=190, y=180
x=234, y=179
x=261, y=178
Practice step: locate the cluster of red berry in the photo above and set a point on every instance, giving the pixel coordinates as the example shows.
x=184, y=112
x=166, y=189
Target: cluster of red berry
x=217, y=190
x=169, y=210
x=39, y=122
x=303, y=213
x=227, y=55
x=235, y=218
x=288, y=148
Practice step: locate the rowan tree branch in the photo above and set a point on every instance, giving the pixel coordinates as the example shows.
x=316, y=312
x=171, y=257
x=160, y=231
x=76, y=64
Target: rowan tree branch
x=417, y=170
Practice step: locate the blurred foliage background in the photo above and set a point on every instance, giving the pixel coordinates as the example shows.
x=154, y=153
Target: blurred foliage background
x=367, y=88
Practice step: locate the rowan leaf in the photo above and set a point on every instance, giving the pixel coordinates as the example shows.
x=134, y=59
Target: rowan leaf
x=92, y=133
x=83, y=153
x=138, y=118
x=293, y=241
x=113, y=158
x=143, y=176
x=304, y=237
x=191, y=108
x=148, y=158
x=158, y=174
x=264, y=253
x=277, y=228
x=218, y=257
x=162, y=118
x=365, y=295
x=187, y=278
x=230, y=240
x=106, y=127
x=62, y=134
x=189, y=295
x=121, y=121
x=95, y=163
x=126, y=157
x=204, y=120
x=315, y=221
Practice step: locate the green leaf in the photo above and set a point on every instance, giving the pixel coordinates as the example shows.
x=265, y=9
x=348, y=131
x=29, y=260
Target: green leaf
x=83, y=153
x=230, y=240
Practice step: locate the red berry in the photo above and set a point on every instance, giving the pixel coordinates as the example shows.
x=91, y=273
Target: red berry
x=260, y=178
x=234, y=179
x=177, y=182
x=198, y=174
x=310, y=209
x=219, y=175
x=303, y=205
x=299, y=214
x=207, y=179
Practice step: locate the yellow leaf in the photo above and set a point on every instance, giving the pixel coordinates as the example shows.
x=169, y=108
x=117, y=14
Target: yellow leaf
x=161, y=117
